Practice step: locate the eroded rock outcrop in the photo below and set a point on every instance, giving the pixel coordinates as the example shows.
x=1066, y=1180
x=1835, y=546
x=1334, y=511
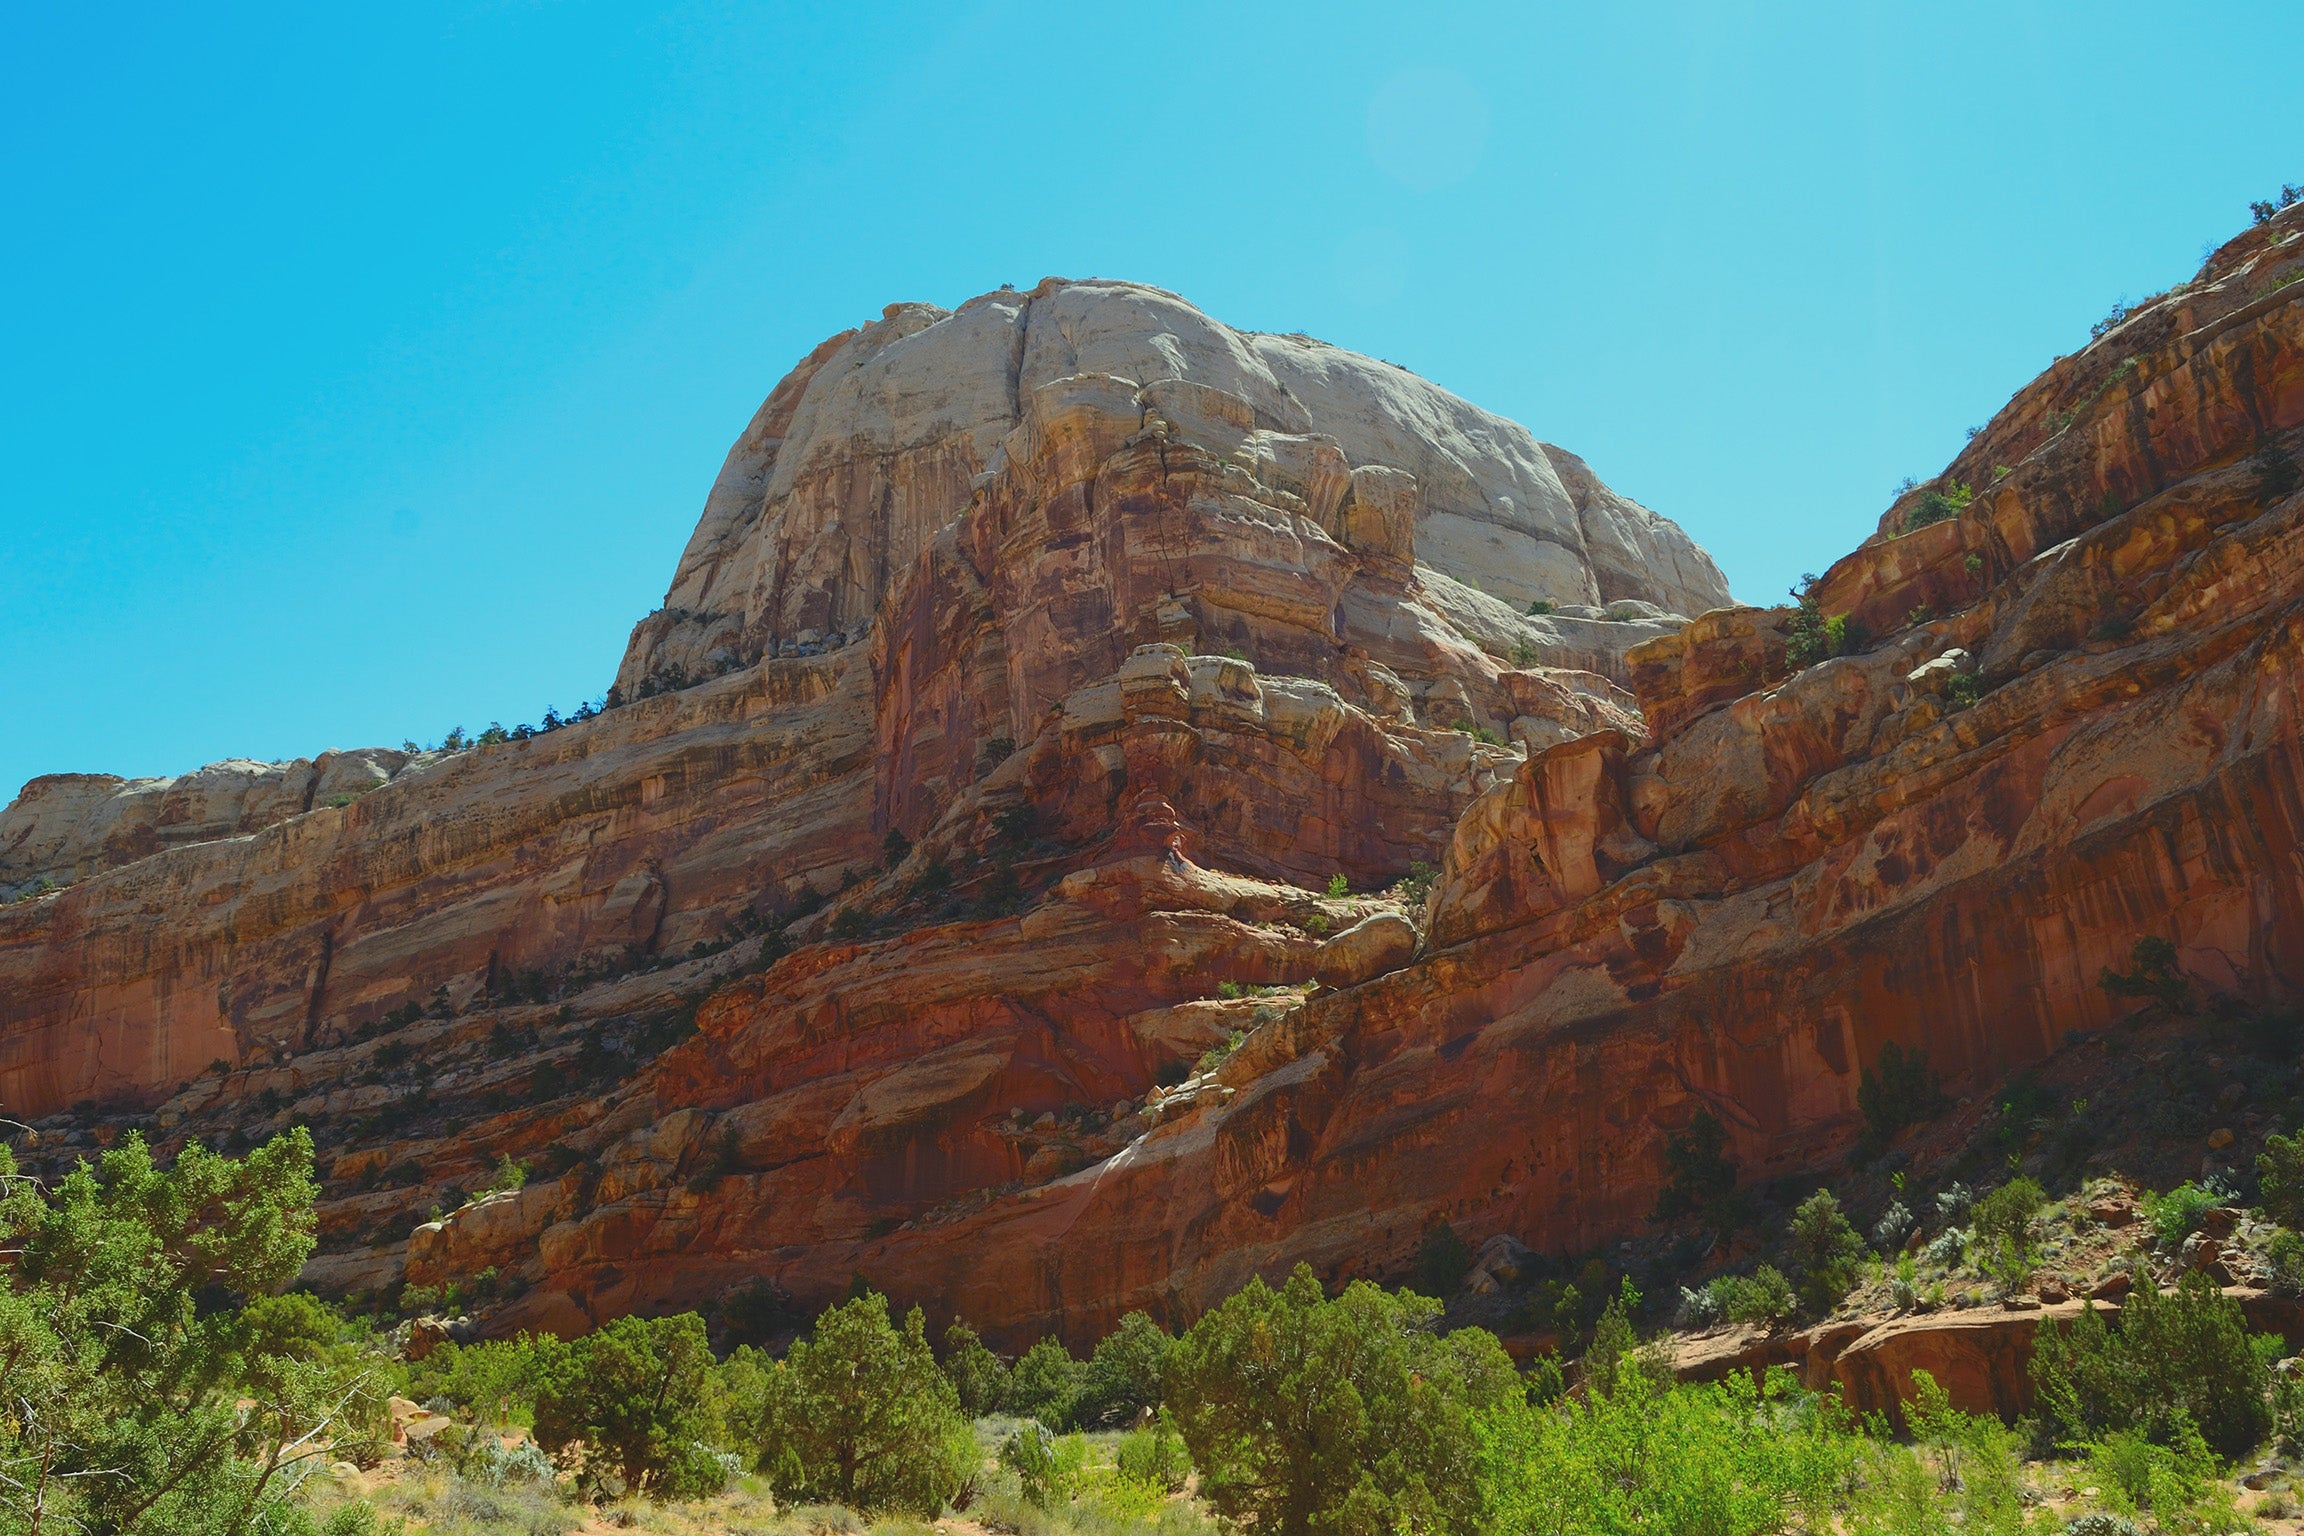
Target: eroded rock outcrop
x=1148, y=633
x=941, y=537
x=875, y=443
x=1736, y=912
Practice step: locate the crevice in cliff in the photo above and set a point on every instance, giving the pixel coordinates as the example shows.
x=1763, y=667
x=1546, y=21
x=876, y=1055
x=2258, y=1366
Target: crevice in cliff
x=319, y=988
x=1016, y=362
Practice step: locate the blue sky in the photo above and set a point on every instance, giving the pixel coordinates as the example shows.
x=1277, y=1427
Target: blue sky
x=364, y=367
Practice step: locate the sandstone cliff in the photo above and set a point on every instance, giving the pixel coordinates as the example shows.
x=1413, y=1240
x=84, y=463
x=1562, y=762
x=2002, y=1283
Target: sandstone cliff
x=254, y=911
x=875, y=443
x=1133, y=648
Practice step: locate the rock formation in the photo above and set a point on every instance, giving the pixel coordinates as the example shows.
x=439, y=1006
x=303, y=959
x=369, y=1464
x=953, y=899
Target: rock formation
x=1056, y=653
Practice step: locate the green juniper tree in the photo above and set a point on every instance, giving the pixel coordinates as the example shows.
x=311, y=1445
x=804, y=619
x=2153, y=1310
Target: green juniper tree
x=156, y=1382
x=1307, y=1414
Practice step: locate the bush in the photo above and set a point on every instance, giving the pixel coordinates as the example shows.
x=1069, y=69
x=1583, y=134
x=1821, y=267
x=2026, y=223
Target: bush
x=977, y=1375
x=1442, y=1261
x=1764, y=1296
x=1740, y=1457
x=2172, y=1362
x=1122, y=1377
x=2002, y=1222
x=2165, y=1479
x=1355, y=1413
x=756, y=1312
x=630, y=1401
x=1045, y=1384
x=1614, y=1350
x=2152, y=974
x=1825, y=1251
x=860, y=1415
x=1153, y=1457
x=1903, y=1092
x=1048, y=1468
x=2280, y=1175
x=1894, y=1226
x=2287, y=1256
x=2179, y=1213
x=1974, y=1458
x=1810, y=636
x=2271, y=208
x=1699, y=1177
x=133, y=1396
x=1941, y=504
x=494, y=1382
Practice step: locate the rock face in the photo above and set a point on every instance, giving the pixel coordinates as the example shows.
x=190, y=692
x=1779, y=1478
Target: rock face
x=875, y=443
x=903, y=616
x=1057, y=693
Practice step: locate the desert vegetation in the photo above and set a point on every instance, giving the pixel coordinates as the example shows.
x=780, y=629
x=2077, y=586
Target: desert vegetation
x=162, y=1378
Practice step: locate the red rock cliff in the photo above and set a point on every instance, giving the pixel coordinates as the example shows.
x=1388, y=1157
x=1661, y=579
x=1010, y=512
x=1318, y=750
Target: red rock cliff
x=1198, y=637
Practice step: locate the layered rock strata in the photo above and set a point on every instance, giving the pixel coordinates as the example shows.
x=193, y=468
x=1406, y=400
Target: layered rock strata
x=2024, y=762
x=1079, y=1030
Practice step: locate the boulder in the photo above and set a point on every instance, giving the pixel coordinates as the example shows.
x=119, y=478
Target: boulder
x=1367, y=949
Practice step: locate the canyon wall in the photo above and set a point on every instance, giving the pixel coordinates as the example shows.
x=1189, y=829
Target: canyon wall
x=1206, y=874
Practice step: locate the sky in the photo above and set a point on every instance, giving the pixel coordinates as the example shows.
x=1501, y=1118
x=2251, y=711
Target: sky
x=363, y=368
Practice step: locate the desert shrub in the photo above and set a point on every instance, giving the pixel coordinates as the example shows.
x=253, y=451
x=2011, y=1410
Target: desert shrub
x=2287, y=1256
x=1764, y=1296
x=2002, y=1223
x=1811, y=636
x=860, y=1415
x=494, y=1381
x=756, y=1312
x=2152, y=974
x=509, y=1175
x=2171, y=1362
x=1895, y=1225
x=2114, y=318
x=1045, y=1384
x=2271, y=208
x=1704, y=1306
x=1413, y=887
x=1442, y=1261
x=1305, y=1413
x=2179, y=1213
x=1153, y=1456
x=977, y=1375
x=1047, y=1466
x=1944, y=502
x=1338, y=886
x=2280, y=1177
x=1614, y=1352
x=1542, y=606
x=1904, y=1285
x=1740, y=1457
x=1902, y=1092
x=1970, y=1462
x=631, y=1401
x=1825, y=1251
x=488, y=1460
x=2164, y=1479
x=1699, y=1176
x=1122, y=1377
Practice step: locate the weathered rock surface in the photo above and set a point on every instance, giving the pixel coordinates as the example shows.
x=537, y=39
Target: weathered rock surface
x=1045, y=1055
x=874, y=444
x=1980, y=1356
x=948, y=537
